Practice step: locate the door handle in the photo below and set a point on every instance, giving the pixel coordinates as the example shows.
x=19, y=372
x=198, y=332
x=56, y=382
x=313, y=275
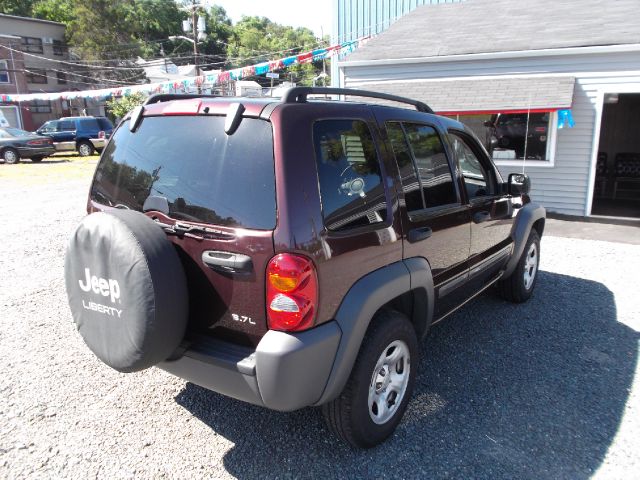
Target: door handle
x=480, y=217
x=227, y=262
x=417, y=234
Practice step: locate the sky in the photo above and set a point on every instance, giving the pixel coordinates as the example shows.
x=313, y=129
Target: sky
x=316, y=15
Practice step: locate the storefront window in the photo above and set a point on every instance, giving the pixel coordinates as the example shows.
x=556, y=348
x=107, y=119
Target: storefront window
x=513, y=136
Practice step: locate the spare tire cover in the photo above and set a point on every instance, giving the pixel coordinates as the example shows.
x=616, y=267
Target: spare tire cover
x=127, y=289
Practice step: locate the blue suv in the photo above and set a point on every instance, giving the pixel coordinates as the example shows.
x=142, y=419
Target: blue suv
x=84, y=134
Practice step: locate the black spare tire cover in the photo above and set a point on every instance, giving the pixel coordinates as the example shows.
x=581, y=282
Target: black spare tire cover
x=127, y=289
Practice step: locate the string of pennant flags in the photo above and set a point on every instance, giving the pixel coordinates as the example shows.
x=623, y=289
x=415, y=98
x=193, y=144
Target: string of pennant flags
x=185, y=84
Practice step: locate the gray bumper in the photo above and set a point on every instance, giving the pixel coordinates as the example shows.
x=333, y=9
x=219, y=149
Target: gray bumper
x=287, y=371
x=98, y=143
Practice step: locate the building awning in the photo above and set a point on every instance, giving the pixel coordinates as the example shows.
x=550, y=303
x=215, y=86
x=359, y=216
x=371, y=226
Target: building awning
x=484, y=95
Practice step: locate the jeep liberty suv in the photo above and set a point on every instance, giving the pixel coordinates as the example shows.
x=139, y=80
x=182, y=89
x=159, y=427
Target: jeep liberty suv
x=293, y=252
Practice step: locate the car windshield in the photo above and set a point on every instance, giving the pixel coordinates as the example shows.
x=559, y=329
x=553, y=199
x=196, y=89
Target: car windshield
x=16, y=132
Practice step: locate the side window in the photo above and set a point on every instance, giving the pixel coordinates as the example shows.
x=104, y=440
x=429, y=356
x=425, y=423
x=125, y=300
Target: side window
x=427, y=172
x=66, y=126
x=476, y=178
x=49, y=127
x=351, y=186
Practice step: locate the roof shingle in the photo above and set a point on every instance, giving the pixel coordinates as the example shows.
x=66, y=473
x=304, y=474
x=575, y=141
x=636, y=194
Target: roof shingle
x=483, y=26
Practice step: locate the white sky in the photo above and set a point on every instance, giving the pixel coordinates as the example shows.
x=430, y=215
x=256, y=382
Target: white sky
x=316, y=14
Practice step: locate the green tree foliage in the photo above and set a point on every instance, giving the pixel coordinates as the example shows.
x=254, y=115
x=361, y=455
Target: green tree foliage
x=119, y=107
x=56, y=10
x=117, y=30
x=21, y=8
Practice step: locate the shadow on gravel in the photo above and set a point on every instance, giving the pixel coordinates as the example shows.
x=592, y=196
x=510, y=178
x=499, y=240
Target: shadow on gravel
x=504, y=391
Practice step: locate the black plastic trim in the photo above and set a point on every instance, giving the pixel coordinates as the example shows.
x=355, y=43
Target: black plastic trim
x=522, y=225
x=299, y=94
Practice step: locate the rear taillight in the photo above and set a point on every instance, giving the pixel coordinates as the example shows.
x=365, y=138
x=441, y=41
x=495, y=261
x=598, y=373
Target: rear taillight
x=101, y=134
x=36, y=142
x=292, y=293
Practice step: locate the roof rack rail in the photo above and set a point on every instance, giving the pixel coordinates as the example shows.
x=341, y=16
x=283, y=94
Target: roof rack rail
x=166, y=97
x=299, y=94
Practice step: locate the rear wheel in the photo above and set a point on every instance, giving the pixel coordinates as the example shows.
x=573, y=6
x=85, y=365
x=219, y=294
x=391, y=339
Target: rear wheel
x=10, y=156
x=377, y=393
x=518, y=287
x=85, y=148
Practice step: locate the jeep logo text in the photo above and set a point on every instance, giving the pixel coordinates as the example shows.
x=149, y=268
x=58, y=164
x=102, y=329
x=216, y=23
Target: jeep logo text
x=102, y=286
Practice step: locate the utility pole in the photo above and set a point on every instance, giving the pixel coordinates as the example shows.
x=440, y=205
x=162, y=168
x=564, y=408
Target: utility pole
x=194, y=30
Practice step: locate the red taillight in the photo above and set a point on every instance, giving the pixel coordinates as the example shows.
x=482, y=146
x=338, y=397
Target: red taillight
x=292, y=293
x=35, y=142
x=101, y=134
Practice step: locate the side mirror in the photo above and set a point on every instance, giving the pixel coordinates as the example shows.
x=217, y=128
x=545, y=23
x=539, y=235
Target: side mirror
x=519, y=184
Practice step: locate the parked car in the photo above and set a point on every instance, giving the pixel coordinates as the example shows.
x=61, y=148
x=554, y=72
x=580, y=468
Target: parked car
x=16, y=144
x=508, y=131
x=84, y=134
x=296, y=253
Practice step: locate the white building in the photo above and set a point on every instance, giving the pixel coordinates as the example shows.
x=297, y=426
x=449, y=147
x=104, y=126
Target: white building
x=527, y=61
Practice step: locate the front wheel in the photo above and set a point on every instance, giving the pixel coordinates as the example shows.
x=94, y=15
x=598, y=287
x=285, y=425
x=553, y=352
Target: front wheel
x=85, y=148
x=380, y=385
x=518, y=287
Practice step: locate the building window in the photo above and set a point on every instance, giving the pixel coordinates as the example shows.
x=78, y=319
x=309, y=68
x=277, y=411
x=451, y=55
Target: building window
x=59, y=48
x=62, y=78
x=40, y=106
x=36, y=75
x=514, y=136
x=32, y=45
x=4, y=72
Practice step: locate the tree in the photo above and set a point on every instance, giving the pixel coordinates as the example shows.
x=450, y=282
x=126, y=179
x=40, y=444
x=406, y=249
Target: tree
x=55, y=10
x=119, y=107
x=21, y=8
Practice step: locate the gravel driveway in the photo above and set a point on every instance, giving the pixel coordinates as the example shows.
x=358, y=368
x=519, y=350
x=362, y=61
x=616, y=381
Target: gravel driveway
x=548, y=389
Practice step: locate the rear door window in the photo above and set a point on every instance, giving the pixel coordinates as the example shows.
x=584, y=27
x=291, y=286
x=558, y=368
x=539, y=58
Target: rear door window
x=66, y=126
x=349, y=174
x=200, y=173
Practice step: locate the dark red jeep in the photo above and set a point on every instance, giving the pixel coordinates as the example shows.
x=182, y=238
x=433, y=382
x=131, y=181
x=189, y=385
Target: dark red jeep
x=293, y=252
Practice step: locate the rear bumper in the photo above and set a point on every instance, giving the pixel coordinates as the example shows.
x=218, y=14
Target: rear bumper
x=98, y=143
x=28, y=152
x=286, y=371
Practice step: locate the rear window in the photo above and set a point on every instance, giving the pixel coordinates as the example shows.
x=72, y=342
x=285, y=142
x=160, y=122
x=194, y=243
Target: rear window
x=204, y=175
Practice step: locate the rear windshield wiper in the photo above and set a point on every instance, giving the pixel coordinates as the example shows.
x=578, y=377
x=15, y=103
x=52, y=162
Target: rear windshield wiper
x=193, y=231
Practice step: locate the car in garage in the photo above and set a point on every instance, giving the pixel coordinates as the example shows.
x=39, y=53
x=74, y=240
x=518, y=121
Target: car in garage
x=16, y=144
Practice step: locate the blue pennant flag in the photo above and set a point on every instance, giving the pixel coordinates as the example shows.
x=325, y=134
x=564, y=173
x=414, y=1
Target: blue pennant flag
x=565, y=119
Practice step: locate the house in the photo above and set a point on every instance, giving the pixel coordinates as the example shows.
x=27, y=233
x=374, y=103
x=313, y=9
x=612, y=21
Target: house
x=517, y=71
x=34, y=58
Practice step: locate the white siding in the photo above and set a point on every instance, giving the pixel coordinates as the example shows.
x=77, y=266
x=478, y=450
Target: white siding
x=564, y=187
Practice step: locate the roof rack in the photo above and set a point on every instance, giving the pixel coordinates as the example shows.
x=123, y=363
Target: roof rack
x=299, y=94
x=166, y=97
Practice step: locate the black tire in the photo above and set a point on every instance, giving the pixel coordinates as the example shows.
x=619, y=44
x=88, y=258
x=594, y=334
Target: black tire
x=350, y=416
x=85, y=148
x=516, y=288
x=36, y=159
x=127, y=289
x=10, y=156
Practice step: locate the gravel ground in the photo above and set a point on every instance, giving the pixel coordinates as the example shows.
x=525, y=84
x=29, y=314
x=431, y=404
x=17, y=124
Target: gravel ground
x=548, y=389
